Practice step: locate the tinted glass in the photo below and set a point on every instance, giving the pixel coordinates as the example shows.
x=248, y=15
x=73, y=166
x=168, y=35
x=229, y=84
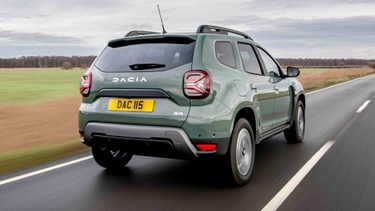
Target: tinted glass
x=271, y=66
x=132, y=56
x=249, y=59
x=224, y=53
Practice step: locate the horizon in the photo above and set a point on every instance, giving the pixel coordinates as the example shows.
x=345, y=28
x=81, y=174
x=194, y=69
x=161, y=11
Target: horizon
x=320, y=29
x=274, y=57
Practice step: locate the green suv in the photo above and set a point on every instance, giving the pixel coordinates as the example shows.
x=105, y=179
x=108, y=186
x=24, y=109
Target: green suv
x=213, y=93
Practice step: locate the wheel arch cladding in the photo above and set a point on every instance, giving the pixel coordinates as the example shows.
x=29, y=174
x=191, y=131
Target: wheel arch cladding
x=302, y=98
x=248, y=114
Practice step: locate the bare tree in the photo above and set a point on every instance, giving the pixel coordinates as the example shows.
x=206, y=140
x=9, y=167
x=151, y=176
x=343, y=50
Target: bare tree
x=84, y=66
x=66, y=65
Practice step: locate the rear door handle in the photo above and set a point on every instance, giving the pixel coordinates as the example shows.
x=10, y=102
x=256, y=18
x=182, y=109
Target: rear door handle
x=276, y=89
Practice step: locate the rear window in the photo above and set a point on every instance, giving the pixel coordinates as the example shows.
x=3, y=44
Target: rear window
x=146, y=55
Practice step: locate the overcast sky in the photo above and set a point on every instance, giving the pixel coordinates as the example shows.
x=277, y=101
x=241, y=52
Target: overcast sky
x=288, y=28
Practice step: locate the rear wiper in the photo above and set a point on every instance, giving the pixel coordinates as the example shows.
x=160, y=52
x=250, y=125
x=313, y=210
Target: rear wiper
x=145, y=66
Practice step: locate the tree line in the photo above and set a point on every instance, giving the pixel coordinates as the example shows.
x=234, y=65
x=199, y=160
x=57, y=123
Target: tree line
x=46, y=61
x=86, y=61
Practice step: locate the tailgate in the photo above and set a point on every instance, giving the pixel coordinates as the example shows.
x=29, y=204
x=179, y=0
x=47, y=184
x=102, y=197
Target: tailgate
x=140, y=83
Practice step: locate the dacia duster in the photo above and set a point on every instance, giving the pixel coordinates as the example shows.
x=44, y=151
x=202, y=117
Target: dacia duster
x=215, y=92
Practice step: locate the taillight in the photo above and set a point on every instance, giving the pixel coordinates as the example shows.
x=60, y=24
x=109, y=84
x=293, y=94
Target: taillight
x=85, y=84
x=196, y=84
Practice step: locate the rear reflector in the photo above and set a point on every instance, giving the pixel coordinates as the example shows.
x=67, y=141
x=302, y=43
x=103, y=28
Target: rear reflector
x=206, y=147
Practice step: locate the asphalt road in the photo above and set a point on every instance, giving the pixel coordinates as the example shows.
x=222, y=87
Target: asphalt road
x=343, y=179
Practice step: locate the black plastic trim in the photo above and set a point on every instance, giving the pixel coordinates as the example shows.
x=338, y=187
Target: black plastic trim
x=220, y=30
x=177, y=136
x=139, y=146
x=144, y=93
x=274, y=131
x=170, y=39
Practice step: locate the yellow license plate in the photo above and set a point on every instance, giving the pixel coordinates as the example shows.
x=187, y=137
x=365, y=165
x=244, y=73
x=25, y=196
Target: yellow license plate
x=138, y=105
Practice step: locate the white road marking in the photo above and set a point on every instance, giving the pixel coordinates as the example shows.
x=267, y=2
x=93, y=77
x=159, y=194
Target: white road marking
x=338, y=84
x=280, y=197
x=363, y=106
x=44, y=170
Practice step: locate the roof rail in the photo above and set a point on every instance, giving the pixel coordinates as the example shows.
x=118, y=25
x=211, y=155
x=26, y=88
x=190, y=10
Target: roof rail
x=220, y=30
x=137, y=33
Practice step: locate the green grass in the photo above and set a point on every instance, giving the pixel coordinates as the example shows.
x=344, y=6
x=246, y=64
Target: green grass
x=19, y=87
x=23, y=158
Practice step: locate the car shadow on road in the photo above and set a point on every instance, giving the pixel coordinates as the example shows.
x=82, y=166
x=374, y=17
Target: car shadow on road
x=148, y=182
x=269, y=160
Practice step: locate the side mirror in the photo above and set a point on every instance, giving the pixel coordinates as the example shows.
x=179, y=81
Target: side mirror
x=292, y=71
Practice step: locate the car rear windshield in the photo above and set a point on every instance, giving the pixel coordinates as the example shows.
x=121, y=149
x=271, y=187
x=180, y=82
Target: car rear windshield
x=146, y=54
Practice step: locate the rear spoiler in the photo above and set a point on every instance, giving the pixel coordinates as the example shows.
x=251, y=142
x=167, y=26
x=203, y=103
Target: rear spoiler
x=162, y=39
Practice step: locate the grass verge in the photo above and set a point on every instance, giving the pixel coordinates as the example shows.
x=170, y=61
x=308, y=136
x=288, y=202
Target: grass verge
x=23, y=158
x=312, y=81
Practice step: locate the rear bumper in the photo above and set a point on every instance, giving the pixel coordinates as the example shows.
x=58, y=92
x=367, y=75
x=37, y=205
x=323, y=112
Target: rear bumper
x=151, y=134
x=149, y=140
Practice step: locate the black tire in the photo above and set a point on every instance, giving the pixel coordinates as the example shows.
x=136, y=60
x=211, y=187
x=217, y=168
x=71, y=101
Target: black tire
x=242, y=141
x=110, y=158
x=295, y=133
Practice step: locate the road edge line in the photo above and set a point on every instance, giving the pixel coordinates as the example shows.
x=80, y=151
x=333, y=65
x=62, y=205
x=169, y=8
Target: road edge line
x=283, y=194
x=44, y=170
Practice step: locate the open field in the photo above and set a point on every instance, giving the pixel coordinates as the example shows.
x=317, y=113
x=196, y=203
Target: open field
x=18, y=86
x=317, y=78
x=43, y=124
x=38, y=111
x=38, y=116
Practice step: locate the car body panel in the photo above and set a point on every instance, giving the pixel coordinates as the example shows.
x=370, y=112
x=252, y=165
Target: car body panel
x=171, y=111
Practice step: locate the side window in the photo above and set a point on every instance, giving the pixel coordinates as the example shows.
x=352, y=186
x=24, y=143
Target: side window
x=271, y=66
x=224, y=53
x=249, y=59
